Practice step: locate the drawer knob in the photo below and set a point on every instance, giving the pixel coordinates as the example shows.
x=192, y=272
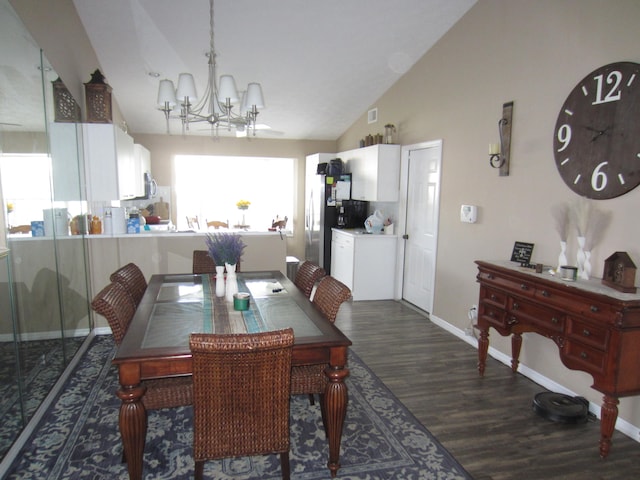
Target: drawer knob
x=524, y=286
x=491, y=314
x=516, y=306
x=493, y=297
x=490, y=276
x=586, y=332
x=545, y=293
x=594, y=309
x=512, y=321
x=554, y=320
x=583, y=355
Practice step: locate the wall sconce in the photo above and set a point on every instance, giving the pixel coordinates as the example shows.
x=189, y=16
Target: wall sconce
x=499, y=153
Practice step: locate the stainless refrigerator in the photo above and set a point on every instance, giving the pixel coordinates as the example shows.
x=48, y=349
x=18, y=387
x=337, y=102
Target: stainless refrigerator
x=327, y=200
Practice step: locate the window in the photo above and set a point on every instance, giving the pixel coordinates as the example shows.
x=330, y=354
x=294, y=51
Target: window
x=211, y=186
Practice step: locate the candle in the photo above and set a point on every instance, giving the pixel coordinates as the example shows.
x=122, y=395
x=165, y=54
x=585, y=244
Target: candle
x=494, y=149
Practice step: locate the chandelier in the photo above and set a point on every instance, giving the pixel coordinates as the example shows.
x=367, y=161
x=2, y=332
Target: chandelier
x=216, y=106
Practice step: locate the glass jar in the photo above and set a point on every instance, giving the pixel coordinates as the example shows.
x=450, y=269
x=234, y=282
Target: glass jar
x=389, y=134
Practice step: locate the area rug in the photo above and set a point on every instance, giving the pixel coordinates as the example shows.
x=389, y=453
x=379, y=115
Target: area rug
x=78, y=438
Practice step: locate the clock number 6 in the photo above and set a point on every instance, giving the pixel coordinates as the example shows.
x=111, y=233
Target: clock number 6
x=599, y=178
x=564, y=136
x=614, y=78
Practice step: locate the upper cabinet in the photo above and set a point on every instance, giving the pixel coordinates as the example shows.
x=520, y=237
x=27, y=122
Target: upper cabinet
x=110, y=163
x=375, y=172
x=67, y=162
x=142, y=165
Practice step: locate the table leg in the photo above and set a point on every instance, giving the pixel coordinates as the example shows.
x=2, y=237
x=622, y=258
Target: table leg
x=483, y=347
x=133, y=427
x=516, y=345
x=335, y=409
x=608, y=417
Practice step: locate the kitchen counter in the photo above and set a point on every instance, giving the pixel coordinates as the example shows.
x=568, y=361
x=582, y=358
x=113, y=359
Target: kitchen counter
x=361, y=233
x=157, y=252
x=364, y=262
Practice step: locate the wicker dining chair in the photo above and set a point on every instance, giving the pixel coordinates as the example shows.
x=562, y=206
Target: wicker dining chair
x=115, y=304
x=132, y=279
x=241, y=385
x=307, y=276
x=310, y=379
x=203, y=263
x=330, y=294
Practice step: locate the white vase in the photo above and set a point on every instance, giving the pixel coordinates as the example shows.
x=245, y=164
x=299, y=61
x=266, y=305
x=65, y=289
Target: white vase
x=219, y=281
x=562, y=258
x=586, y=271
x=580, y=257
x=231, y=285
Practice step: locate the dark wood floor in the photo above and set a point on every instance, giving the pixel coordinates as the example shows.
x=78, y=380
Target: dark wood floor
x=488, y=424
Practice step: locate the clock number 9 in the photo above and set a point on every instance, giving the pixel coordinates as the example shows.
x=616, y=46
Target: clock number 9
x=564, y=136
x=599, y=178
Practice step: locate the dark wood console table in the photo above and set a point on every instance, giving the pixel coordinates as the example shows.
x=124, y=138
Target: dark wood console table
x=596, y=328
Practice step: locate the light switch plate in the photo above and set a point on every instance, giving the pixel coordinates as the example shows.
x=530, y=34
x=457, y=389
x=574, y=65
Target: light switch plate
x=468, y=213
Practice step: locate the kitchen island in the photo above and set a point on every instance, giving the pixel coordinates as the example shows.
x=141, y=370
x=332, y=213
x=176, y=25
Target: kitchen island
x=154, y=252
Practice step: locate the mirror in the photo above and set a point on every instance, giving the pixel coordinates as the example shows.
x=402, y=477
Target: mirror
x=44, y=305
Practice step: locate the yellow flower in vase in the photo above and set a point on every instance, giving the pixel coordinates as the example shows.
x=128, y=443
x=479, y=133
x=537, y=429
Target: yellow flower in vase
x=243, y=204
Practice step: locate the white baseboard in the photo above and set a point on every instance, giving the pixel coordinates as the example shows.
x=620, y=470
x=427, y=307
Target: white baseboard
x=32, y=336
x=623, y=426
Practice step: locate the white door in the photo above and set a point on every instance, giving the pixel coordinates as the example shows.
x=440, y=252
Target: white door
x=421, y=167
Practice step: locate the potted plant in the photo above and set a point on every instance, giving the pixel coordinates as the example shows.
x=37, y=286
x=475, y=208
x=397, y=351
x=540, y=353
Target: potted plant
x=225, y=248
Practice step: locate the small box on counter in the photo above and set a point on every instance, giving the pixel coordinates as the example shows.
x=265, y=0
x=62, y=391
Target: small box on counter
x=133, y=225
x=37, y=228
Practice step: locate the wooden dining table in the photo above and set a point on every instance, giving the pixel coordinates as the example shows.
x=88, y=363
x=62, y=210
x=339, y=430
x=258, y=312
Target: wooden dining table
x=156, y=344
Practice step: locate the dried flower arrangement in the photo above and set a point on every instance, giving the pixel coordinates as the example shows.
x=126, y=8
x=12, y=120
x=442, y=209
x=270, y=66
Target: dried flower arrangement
x=561, y=218
x=225, y=247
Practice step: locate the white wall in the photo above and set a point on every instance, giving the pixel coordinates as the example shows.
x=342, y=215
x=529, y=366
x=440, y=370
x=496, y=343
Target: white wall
x=534, y=53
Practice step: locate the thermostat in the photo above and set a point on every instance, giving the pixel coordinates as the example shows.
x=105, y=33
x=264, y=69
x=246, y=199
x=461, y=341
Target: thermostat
x=468, y=213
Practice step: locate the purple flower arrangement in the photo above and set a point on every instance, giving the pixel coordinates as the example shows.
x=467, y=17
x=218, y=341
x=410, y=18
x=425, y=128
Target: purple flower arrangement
x=225, y=247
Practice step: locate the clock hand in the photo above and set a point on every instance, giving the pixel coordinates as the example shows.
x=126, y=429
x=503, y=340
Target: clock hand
x=599, y=132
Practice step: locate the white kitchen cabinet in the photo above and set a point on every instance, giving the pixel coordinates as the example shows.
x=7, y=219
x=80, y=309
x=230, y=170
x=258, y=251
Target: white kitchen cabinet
x=365, y=263
x=67, y=162
x=142, y=164
x=109, y=163
x=375, y=172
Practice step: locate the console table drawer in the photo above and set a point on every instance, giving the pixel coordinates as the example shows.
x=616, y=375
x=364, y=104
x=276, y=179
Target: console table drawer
x=592, y=360
x=574, y=303
x=546, y=318
x=588, y=333
x=525, y=287
x=494, y=297
x=492, y=315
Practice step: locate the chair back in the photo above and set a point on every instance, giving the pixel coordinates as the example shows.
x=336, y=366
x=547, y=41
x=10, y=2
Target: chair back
x=132, y=279
x=307, y=276
x=203, y=263
x=241, y=388
x=193, y=223
x=329, y=296
x=115, y=304
x=216, y=224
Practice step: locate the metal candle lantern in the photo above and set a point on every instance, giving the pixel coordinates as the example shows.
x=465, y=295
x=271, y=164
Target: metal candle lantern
x=66, y=109
x=98, y=98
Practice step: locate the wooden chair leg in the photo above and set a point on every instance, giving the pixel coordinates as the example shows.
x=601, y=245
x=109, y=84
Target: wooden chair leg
x=199, y=470
x=284, y=465
x=312, y=400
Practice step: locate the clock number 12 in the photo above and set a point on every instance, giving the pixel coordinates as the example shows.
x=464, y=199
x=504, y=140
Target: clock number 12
x=614, y=79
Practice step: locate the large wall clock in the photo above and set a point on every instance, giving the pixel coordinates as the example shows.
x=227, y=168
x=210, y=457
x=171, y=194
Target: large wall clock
x=597, y=136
